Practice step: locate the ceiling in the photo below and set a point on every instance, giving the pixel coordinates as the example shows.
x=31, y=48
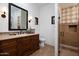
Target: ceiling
x=40, y=4
x=62, y=5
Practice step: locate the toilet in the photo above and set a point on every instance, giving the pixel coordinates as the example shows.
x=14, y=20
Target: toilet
x=42, y=42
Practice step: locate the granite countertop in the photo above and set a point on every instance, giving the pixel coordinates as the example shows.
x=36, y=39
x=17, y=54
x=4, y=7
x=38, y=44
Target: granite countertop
x=8, y=36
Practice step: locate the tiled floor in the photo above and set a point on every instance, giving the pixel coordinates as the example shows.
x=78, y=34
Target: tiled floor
x=49, y=51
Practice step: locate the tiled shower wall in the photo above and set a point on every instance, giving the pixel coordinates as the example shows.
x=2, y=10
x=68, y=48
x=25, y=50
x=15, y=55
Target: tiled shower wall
x=70, y=14
x=69, y=19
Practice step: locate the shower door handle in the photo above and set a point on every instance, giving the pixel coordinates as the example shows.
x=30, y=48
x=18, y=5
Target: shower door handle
x=62, y=33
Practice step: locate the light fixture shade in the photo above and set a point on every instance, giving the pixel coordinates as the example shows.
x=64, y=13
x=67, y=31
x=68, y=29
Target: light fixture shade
x=3, y=15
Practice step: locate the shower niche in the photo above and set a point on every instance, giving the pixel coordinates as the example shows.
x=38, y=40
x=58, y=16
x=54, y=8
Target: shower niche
x=73, y=28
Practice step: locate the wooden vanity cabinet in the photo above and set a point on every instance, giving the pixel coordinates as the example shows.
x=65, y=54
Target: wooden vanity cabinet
x=22, y=46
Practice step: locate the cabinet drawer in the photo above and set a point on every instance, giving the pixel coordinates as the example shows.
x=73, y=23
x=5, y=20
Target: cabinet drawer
x=8, y=43
x=36, y=36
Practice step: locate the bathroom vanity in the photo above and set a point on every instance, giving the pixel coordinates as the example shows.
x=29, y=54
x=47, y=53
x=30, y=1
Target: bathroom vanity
x=19, y=45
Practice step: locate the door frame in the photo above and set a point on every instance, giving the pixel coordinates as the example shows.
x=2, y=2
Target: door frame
x=56, y=30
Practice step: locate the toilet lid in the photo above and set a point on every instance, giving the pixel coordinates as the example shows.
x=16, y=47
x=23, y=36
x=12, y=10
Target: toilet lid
x=42, y=39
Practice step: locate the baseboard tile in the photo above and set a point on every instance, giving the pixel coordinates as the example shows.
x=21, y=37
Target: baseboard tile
x=49, y=45
x=70, y=47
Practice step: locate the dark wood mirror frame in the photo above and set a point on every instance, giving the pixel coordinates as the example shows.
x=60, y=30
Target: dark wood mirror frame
x=9, y=13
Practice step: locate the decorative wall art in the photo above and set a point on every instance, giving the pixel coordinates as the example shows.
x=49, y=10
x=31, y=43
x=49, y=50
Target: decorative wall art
x=53, y=20
x=36, y=20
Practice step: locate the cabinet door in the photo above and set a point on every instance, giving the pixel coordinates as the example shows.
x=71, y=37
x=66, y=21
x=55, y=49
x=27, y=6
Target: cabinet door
x=27, y=45
x=36, y=42
x=8, y=47
x=24, y=45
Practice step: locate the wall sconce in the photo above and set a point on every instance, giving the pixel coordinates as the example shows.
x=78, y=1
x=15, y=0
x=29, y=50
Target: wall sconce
x=29, y=19
x=3, y=13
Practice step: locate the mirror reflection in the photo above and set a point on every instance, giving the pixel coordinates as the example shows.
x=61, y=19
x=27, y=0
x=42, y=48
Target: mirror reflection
x=18, y=18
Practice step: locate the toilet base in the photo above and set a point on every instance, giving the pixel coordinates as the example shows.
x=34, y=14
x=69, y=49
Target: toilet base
x=42, y=45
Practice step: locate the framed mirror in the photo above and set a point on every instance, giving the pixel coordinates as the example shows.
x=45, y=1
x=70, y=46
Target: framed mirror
x=18, y=18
